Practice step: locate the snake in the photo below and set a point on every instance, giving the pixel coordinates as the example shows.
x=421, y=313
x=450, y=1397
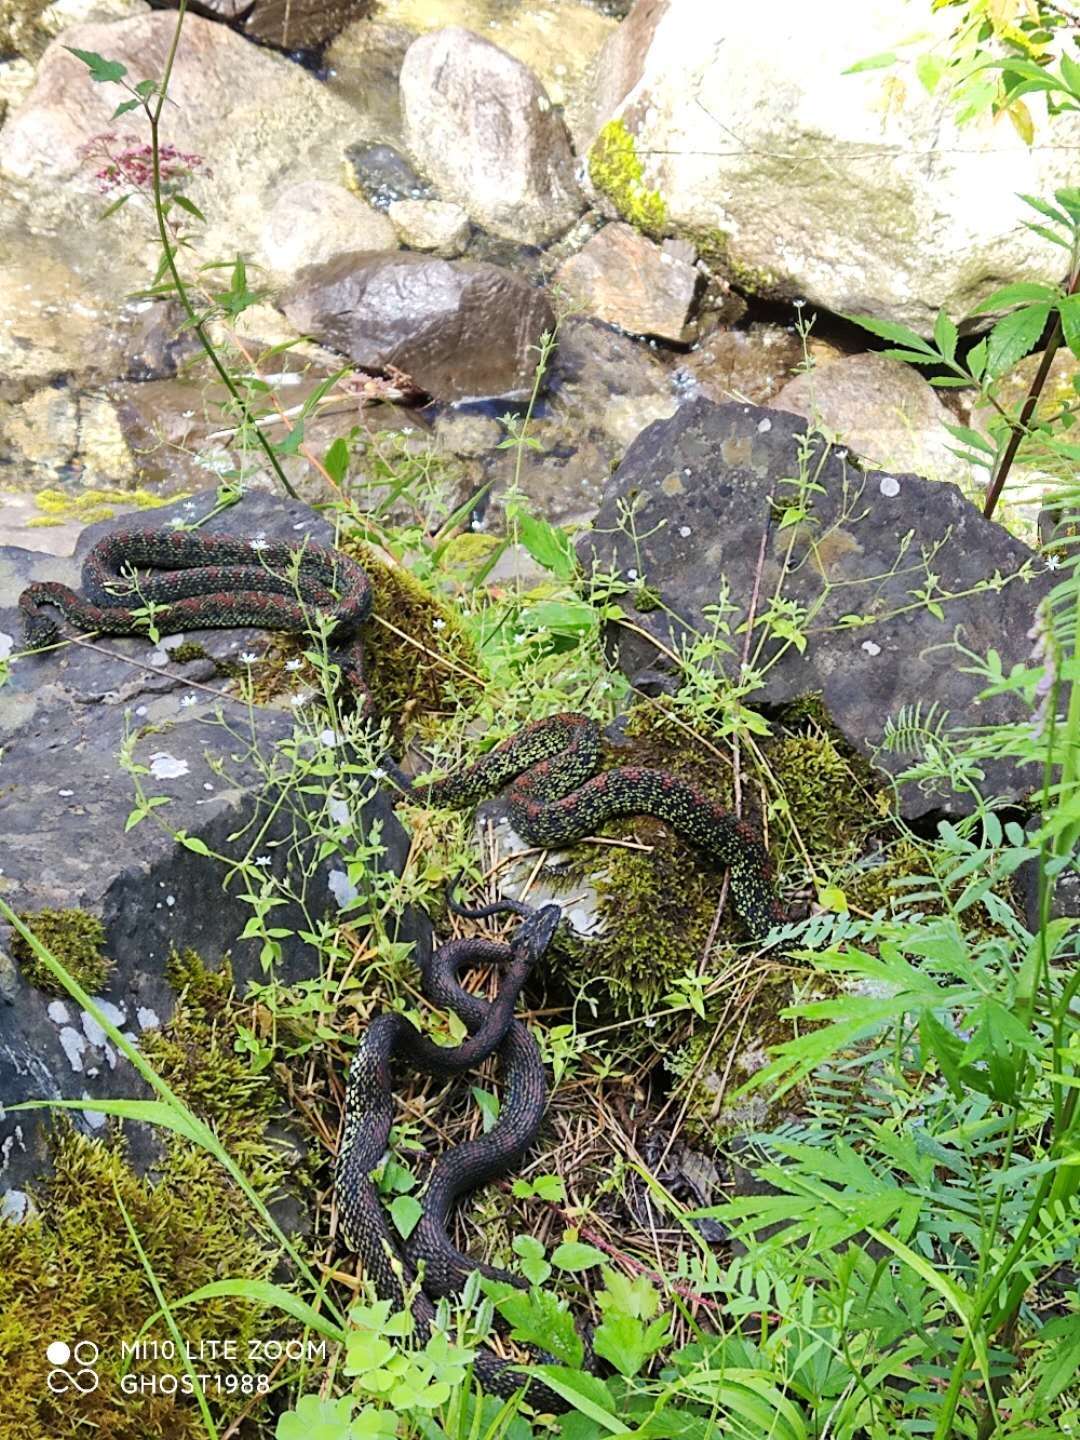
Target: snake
x=209, y=581
x=556, y=793
x=428, y=1264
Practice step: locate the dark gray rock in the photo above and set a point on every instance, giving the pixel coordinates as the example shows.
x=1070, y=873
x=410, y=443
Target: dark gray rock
x=460, y=329
x=709, y=485
x=65, y=798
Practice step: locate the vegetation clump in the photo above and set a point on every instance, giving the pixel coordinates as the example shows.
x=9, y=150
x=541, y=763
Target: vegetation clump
x=75, y=937
x=70, y=1270
x=616, y=169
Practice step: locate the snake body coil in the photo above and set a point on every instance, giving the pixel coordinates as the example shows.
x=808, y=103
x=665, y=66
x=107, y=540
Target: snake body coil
x=369, y=1116
x=207, y=581
x=557, y=797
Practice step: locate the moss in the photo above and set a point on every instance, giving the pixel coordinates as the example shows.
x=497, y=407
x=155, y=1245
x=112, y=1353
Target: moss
x=823, y=795
x=714, y=247
x=89, y=506
x=616, y=169
x=70, y=1270
x=75, y=938
x=187, y=653
x=417, y=654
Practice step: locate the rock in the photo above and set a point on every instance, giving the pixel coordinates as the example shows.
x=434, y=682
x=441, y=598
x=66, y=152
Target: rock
x=277, y=128
x=743, y=364
x=556, y=40
x=299, y=25
x=383, y=175
x=317, y=221
x=459, y=329
x=625, y=279
x=479, y=123
x=64, y=717
x=435, y=225
x=884, y=410
x=603, y=388
x=705, y=486
x=859, y=191
x=362, y=65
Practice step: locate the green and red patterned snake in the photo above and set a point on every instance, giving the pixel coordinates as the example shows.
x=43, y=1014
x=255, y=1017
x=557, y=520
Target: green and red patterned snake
x=182, y=580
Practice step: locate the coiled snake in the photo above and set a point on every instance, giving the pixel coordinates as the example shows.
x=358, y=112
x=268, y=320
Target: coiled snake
x=556, y=795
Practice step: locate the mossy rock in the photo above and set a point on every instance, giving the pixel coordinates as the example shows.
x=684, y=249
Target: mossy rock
x=70, y=1270
x=418, y=657
x=75, y=938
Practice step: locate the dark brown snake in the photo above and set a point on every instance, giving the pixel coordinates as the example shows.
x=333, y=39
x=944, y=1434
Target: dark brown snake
x=556, y=794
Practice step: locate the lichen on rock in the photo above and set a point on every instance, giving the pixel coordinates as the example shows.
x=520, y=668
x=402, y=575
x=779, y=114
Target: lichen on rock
x=615, y=168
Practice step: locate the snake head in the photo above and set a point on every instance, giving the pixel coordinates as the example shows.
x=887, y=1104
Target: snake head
x=535, y=934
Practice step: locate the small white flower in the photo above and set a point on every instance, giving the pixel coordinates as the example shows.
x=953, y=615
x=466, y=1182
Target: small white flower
x=299, y=700
x=247, y=658
x=889, y=486
x=327, y=737
x=684, y=531
x=263, y=860
x=187, y=701
x=1053, y=562
x=259, y=543
x=438, y=624
x=293, y=664
x=631, y=574
x=799, y=303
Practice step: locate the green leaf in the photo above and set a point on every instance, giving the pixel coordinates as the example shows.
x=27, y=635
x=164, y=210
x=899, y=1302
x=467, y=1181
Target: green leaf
x=489, y=1106
x=293, y=440
x=945, y=336
x=102, y=71
x=336, y=461
x=898, y=334
x=549, y=546
x=588, y=1394
x=265, y=1294
x=929, y=70
x=538, y=1318
x=150, y=1112
x=1012, y=338
x=316, y=1419
x=628, y=1342
x=1022, y=293
x=1069, y=310
x=881, y=61
x=405, y=1211
x=190, y=207
x=573, y=1255
x=1070, y=73
x=123, y=108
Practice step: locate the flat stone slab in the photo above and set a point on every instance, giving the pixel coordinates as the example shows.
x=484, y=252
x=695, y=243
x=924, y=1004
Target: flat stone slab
x=889, y=572
x=65, y=798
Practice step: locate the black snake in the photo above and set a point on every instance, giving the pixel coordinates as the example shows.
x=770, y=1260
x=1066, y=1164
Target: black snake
x=557, y=794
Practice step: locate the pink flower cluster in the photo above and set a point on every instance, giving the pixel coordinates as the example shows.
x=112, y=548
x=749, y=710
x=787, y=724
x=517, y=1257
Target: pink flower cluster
x=128, y=163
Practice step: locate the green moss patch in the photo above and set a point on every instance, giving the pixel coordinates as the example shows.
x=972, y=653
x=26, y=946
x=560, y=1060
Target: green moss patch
x=75, y=938
x=70, y=1270
x=616, y=169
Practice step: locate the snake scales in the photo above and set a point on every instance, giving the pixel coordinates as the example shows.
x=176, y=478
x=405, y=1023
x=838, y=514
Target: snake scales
x=557, y=794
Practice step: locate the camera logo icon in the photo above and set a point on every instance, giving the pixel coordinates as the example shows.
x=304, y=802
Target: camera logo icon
x=73, y=1367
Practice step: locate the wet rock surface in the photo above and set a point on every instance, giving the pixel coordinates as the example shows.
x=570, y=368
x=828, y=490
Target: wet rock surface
x=624, y=278
x=435, y=225
x=459, y=329
x=65, y=800
x=511, y=165
x=382, y=174
x=705, y=489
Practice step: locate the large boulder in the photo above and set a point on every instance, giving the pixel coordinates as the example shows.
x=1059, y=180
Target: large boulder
x=66, y=718
x=277, y=127
x=858, y=191
x=884, y=410
x=481, y=126
x=889, y=573
x=460, y=329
